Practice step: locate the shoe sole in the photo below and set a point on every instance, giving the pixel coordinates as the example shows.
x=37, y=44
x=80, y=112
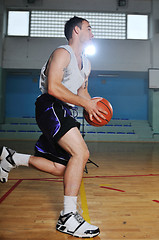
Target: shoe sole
x=74, y=235
x=2, y=180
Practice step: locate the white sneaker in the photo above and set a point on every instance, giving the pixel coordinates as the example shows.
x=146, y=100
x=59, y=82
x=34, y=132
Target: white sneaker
x=6, y=163
x=75, y=225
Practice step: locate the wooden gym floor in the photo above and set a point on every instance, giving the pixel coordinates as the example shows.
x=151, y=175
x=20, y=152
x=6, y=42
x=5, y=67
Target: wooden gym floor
x=120, y=196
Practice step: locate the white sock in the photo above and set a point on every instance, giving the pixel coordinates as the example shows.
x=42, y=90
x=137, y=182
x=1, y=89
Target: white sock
x=70, y=204
x=21, y=159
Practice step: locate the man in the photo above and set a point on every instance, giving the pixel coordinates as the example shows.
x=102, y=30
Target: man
x=61, y=150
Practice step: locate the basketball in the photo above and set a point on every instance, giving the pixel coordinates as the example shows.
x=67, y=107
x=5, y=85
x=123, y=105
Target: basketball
x=105, y=105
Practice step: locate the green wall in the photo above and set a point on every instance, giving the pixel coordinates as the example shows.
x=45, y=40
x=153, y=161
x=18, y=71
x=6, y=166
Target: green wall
x=154, y=110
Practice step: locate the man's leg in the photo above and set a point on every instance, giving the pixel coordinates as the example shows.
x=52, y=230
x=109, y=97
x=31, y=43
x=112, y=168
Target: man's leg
x=73, y=143
x=46, y=165
x=11, y=159
x=70, y=221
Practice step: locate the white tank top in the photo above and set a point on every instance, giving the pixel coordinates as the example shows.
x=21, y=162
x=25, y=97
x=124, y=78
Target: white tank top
x=73, y=77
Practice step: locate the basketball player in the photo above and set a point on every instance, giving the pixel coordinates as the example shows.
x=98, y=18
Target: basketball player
x=61, y=150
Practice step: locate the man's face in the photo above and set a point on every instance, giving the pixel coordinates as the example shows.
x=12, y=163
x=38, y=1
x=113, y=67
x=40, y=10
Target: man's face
x=85, y=33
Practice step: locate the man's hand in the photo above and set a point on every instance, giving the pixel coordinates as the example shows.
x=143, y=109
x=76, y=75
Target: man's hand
x=94, y=110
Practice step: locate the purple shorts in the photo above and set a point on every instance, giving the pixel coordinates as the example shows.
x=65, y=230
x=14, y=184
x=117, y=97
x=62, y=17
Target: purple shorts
x=54, y=119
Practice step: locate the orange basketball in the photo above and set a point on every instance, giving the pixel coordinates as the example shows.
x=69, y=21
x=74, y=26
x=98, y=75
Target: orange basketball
x=105, y=105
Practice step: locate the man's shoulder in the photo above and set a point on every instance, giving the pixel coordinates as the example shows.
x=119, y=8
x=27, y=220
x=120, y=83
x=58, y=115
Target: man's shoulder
x=64, y=49
x=61, y=55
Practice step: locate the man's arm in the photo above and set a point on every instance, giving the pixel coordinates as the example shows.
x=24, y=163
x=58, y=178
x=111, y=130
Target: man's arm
x=57, y=63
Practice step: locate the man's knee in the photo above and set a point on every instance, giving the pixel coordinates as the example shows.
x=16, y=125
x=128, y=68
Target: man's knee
x=84, y=155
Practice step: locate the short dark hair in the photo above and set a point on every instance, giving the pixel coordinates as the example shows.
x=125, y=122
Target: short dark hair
x=70, y=25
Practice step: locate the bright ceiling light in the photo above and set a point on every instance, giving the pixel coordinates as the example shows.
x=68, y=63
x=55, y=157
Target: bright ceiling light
x=90, y=50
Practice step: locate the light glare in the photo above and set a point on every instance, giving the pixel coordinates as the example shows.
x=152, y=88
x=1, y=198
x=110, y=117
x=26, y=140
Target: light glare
x=90, y=50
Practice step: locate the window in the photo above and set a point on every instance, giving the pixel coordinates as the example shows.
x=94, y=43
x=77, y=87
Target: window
x=137, y=26
x=18, y=23
x=51, y=24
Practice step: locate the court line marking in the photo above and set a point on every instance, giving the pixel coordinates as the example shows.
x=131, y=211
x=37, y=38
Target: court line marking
x=84, y=204
x=113, y=176
x=118, y=176
x=10, y=190
x=115, y=189
x=105, y=185
x=155, y=201
x=59, y=180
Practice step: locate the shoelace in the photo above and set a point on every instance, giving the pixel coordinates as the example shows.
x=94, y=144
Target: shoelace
x=78, y=217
